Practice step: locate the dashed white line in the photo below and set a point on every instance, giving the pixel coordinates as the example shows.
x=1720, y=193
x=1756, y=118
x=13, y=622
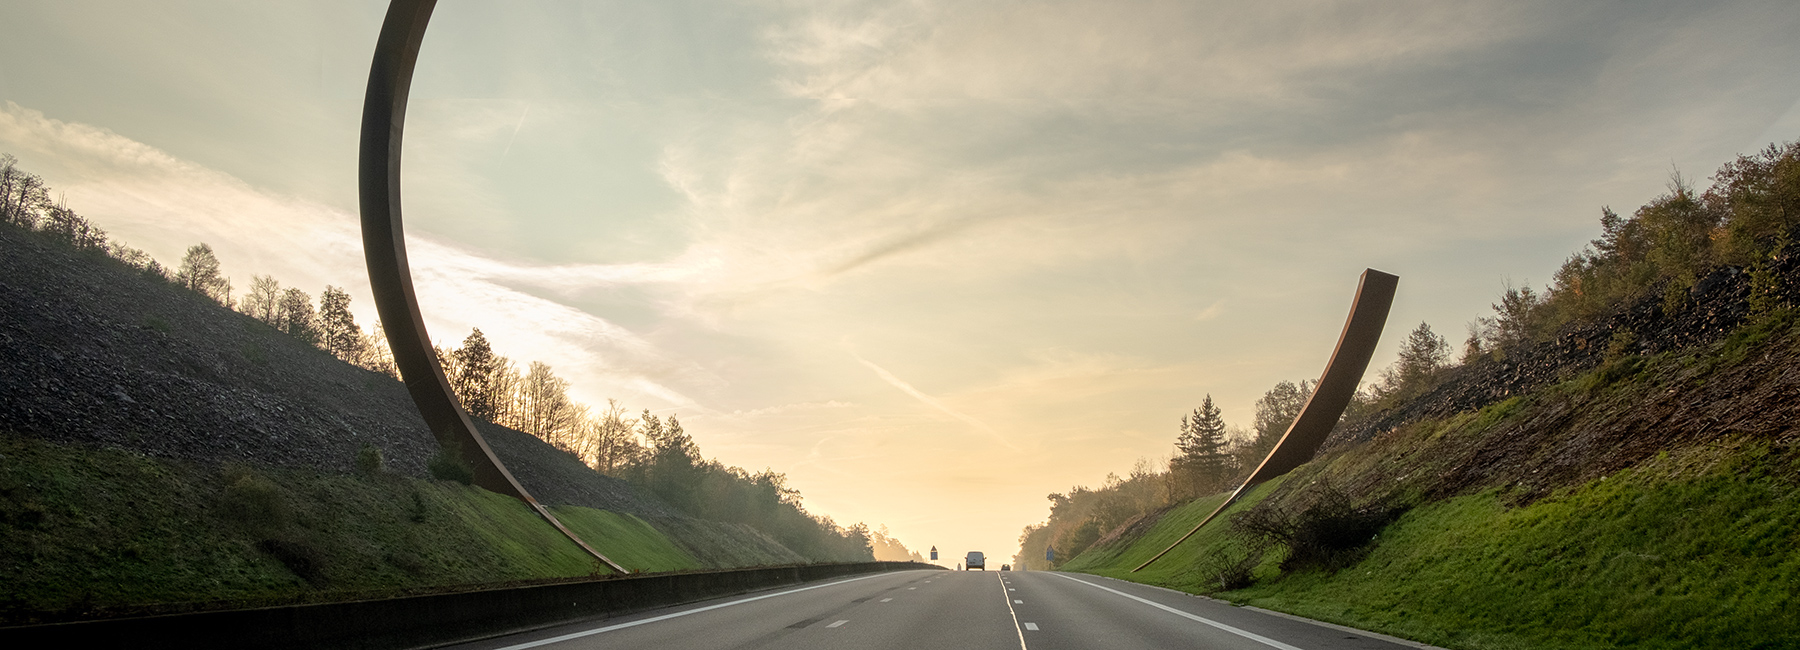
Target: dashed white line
x=1031, y=626
x=1015, y=617
x=1011, y=589
x=838, y=623
x=911, y=588
x=887, y=600
x=1018, y=602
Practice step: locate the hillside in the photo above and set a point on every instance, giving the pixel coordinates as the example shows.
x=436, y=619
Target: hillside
x=1627, y=476
x=159, y=448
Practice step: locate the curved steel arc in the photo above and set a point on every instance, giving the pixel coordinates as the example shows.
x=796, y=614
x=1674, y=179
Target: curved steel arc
x=1343, y=373
x=384, y=247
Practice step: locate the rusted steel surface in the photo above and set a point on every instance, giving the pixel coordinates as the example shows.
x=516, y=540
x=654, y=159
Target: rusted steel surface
x=384, y=247
x=1343, y=373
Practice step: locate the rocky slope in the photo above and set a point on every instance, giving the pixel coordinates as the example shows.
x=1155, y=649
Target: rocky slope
x=97, y=353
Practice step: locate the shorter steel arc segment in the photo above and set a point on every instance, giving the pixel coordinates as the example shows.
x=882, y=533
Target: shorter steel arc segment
x=384, y=248
x=1337, y=386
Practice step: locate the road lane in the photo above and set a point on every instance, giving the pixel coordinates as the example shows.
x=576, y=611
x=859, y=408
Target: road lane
x=931, y=610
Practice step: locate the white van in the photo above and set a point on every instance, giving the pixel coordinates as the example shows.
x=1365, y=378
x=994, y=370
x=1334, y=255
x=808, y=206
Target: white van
x=975, y=561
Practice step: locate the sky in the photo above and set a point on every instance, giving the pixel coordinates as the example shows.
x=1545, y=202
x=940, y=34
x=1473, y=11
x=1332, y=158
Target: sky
x=932, y=260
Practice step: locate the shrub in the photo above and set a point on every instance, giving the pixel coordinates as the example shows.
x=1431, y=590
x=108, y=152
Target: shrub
x=448, y=465
x=368, y=459
x=254, y=501
x=1329, y=531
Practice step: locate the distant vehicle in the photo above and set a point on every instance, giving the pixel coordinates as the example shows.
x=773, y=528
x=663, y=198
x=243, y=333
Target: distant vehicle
x=976, y=561
x=1006, y=567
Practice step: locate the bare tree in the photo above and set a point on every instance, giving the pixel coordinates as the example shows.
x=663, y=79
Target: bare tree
x=263, y=303
x=546, y=410
x=22, y=194
x=297, y=318
x=377, y=356
x=615, y=439
x=199, y=272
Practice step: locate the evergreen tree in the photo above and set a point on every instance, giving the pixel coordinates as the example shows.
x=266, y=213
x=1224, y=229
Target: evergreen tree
x=1201, y=463
x=474, y=376
x=338, y=332
x=1421, y=356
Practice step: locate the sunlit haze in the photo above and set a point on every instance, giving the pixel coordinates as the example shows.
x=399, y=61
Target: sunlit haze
x=932, y=260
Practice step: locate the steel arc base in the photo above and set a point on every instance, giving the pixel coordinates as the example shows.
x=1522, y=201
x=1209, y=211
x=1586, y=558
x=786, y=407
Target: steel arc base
x=1337, y=386
x=384, y=247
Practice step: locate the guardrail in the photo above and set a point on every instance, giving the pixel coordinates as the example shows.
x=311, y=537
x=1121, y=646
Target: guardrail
x=424, y=621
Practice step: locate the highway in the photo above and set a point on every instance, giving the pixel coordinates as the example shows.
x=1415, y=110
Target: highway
x=976, y=610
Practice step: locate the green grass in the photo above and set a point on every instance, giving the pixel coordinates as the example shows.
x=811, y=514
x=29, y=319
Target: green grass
x=86, y=531
x=1692, y=550
x=1189, y=566
x=625, y=539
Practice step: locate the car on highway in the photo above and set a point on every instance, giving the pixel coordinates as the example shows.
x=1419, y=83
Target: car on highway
x=975, y=561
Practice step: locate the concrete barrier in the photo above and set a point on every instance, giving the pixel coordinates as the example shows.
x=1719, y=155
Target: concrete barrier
x=425, y=621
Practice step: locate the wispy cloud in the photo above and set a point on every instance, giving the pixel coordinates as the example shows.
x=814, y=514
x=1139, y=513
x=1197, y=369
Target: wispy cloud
x=932, y=402
x=163, y=204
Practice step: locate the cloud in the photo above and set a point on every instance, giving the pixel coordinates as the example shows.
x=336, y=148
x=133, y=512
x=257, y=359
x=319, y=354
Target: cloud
x=932, y=401
x=160, y=203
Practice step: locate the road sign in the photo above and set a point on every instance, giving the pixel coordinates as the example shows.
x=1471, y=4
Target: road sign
x=934, y=552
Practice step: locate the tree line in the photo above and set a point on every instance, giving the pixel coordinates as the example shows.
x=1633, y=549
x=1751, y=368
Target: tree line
x=652, y=452
x=1744, y=220
x=647, y=450
x=25, y=202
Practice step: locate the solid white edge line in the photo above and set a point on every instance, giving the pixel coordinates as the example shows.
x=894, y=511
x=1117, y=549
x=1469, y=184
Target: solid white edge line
x=664, y=617
x=1015, y=616
x=1248, y=635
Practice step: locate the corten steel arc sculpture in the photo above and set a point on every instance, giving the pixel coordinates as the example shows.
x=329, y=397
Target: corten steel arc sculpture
x=1368, y=314
x=384, y=246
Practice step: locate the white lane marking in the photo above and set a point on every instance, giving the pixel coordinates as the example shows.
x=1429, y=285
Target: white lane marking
x=911, y=588
x=1011, y=589
x=886, y=600
x=1015, y=615
x=1018, y=602
x=838, y=623
x=1031, y=626
x=1248, y=635
x=664, y=617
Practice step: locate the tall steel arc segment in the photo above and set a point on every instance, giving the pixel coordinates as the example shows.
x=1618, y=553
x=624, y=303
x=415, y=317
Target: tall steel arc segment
x=1343, y=373
x=384, y=247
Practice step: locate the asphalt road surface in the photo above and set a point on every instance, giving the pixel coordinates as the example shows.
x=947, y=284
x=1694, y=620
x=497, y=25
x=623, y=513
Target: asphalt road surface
x=975, y=610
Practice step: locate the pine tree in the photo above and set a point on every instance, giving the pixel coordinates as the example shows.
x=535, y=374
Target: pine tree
x=1201, y=463
x=338, y=333
x=474, y=377
x=1422, y=354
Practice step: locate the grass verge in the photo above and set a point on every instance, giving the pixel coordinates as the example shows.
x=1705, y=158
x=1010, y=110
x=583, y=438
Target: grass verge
x=88, y=532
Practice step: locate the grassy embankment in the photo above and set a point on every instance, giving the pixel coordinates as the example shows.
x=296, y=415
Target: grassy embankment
x=1692, y=548
x=93, y=531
